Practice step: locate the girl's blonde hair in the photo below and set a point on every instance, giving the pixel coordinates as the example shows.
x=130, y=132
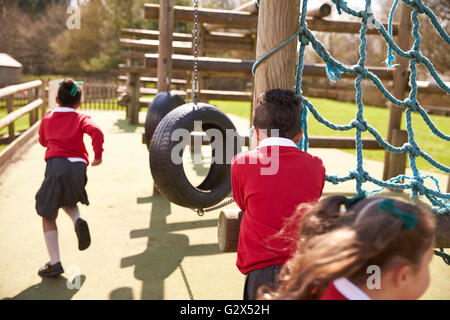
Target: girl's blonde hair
x=334, y=243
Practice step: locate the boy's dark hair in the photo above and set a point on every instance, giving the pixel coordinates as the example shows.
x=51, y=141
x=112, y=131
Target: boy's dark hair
x=278, y=109
x=65, y=97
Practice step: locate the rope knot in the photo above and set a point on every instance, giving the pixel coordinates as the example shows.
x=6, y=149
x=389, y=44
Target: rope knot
x=360, y=177
x=417, y=184
x=361, y=70
x=417, y=55
x=412, y=150
x=412, y=104
x=302, y=36
x=418, y=5
x=364, y=15
x=333, y=179
x=361, y=125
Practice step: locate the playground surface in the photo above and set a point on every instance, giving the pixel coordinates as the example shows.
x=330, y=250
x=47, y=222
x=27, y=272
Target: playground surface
x=143, y=247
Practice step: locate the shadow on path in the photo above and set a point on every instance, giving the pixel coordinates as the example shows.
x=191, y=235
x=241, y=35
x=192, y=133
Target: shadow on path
x=49, y=289
x=124, y=126
x=165, y=251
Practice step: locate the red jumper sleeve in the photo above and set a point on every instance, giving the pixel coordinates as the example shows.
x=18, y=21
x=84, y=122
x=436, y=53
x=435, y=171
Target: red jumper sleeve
x=91, y=128
x=238, y=194
x=42, y=138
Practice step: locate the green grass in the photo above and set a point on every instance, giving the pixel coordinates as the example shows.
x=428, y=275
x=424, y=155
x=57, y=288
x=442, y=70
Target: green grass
x=23, y=123
x=339, y=113
x=343, y=112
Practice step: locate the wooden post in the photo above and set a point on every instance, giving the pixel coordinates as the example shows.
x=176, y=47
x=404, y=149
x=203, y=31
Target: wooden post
x=277, y=21
x=400, y=83
x=30, y=97
x=134, y=86
x=201, y=53
x=253, y=83
x=397, y=161
x=9, y=109
x=164, y=69
x=228, y=229
x=44, y=93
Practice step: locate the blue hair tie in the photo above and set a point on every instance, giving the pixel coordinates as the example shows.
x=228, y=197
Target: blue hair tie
x=387, y=206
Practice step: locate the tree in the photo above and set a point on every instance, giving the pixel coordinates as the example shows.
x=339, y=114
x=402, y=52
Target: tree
x=27, y=35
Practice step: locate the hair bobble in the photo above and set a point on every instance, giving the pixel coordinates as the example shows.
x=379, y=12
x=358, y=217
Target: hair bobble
x=387, y=206
x=74, y=90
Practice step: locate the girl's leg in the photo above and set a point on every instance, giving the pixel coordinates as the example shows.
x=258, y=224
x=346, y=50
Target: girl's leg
x=73, y=212
x=81, y=227
x=51, y=238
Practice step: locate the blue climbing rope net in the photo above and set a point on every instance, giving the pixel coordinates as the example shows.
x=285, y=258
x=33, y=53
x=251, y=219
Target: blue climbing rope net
x=334, y=69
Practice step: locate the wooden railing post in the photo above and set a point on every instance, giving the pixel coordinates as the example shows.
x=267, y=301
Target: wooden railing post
x=133, y=106
x=9, y=109
x=33, y=94
x=44, y=94
x=400, y=86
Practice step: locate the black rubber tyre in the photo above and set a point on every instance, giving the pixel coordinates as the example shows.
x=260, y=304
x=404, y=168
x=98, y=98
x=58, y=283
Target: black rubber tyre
x=170, y=178
x=161, y=105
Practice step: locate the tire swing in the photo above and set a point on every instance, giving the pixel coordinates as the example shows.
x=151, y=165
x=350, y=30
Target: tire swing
x=162, y=104
x=167, y=146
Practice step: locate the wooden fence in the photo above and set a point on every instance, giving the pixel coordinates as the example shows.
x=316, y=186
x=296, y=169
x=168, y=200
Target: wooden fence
x=100, y=94
x=33, y=91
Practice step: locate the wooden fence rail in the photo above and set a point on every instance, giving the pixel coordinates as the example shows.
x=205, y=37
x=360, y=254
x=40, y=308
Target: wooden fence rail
x=16, y=142
x=100, y=94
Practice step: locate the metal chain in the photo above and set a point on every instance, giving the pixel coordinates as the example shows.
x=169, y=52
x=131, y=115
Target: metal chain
x=195, y=86
x=201, y=212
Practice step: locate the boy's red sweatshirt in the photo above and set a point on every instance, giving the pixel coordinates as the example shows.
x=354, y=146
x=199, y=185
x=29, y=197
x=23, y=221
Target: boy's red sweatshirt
x=62, y=131
x=268, y=200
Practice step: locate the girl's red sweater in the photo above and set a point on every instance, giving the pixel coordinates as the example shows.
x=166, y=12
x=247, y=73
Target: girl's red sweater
x=62, y=134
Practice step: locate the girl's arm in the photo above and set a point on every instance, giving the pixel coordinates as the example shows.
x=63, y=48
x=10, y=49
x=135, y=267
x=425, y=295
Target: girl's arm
x=42, y=138
x=91, y=128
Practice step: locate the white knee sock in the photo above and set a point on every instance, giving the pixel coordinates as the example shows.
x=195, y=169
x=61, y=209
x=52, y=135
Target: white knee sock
x=51, y=240
x=73, y=213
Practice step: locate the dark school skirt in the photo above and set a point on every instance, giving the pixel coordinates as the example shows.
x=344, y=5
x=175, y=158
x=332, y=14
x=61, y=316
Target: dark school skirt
x=260, y=277
x=63, y=186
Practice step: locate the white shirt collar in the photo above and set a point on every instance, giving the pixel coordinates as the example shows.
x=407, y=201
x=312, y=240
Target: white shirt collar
x=277, y=141
x=349, y=290
x=64, y=109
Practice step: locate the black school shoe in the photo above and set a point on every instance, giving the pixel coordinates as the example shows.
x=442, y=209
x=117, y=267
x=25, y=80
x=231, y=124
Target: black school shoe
x=49, y=270
x=82, y=231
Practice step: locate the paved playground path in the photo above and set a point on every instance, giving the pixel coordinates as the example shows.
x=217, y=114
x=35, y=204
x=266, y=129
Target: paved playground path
x=143, y=247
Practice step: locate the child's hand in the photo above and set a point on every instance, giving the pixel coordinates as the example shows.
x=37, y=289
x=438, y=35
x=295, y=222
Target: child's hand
x=96, y=162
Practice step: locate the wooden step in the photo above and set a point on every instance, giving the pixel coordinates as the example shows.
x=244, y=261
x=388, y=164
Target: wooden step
x=242, y=19
x=239, y=67
x=180, y=47
x=205, y=95
x=154, y=80
x=212, y=41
